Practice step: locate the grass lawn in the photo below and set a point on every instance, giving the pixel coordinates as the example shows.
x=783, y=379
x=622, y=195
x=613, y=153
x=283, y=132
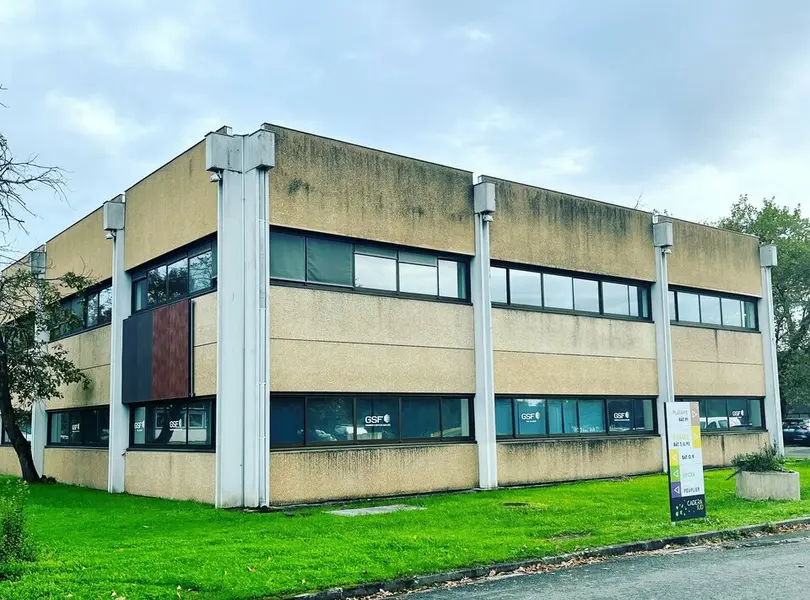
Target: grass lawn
x=92, y=544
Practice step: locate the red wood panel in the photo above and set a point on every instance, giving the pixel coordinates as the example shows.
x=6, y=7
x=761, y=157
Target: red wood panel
x=171, y=356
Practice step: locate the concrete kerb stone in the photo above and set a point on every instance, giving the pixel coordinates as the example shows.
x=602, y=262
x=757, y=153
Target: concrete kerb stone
x=404, y=584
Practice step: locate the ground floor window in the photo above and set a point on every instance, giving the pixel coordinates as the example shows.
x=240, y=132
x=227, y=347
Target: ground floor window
x=173, y=424
x=79, y=427
x=23, y=422
x=729, y=414
x=308, y=420
x=520, y=417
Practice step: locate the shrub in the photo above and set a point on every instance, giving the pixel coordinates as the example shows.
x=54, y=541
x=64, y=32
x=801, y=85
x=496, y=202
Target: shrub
x=766, y=460
x=15, y=542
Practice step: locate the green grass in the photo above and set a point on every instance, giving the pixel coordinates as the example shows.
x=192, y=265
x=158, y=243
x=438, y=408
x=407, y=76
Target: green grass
x=92, y=544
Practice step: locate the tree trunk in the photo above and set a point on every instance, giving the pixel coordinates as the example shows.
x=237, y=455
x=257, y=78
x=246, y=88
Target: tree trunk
x=21, y=445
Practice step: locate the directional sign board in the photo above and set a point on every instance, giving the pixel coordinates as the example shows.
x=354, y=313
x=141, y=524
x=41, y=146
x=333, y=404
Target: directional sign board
x=687, y=498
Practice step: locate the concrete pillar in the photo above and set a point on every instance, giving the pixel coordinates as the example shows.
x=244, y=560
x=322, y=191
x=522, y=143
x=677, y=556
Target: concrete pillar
x=767, y=327
x=240, y=165
x=37, y=261
x=485, y=432
x=662, y=245
x=114, y=227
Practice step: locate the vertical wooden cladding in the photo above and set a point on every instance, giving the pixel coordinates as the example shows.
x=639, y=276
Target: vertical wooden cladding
x=171, y=351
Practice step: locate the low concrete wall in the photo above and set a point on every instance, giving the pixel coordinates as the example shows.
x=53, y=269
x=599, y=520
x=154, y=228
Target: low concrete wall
x=9, y=465
x=720, y=448
x=544, y=461
x=86, y=467
x=174, y=475
x=333, y=474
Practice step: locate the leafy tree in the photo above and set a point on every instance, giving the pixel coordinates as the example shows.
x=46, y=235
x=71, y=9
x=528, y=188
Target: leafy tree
x=790, y=232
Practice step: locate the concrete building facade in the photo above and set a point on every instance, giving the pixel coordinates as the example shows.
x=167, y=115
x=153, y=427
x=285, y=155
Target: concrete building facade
x=282, y=318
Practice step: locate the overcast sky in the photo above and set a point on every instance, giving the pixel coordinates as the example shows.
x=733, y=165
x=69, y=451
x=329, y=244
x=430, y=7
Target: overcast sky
x=686, y=104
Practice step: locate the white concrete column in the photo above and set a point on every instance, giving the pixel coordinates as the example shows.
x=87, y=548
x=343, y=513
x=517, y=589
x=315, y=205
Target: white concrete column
x=114, y=227
x=37, y=262
x=662, y=245
x=767, y=327
x=485, y=432
x=240, y=165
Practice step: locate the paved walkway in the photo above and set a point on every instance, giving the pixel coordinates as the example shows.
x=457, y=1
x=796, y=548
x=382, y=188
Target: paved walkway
x=797, y=451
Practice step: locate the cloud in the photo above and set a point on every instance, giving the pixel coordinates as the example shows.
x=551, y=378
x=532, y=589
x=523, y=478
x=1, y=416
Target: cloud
x=165, y=44
x=474, y=34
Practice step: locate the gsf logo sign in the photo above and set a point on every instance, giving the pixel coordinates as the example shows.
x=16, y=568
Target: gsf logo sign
x=378, y=420
x=530, y=416
x=621, y=416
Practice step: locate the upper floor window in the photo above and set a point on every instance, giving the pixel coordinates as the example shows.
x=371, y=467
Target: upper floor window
x=366, y=266
x=91, y=308
x=184, y=273
x=712, y=309
x=79, y=427
x=562, y=292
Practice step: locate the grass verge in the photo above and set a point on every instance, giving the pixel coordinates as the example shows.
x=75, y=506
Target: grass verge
x=93, y=545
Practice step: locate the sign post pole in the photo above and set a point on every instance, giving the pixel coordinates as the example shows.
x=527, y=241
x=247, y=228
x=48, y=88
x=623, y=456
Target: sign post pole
x=687, y=495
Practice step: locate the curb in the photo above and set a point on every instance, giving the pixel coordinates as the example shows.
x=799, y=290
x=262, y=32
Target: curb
x=409, y=583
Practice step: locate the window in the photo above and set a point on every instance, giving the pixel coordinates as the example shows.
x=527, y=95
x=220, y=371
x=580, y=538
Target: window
x=174, y=424
x=729, y=414
x=712, y=309
x=90, y=308
x=80, y=427
x=324, y=260
x=23, y=422
x=338, y=420
x=521, y=287
x=541, y=417
x=181, y=274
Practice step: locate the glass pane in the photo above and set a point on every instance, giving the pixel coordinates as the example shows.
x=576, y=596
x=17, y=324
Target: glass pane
x=755, y=411
x=89, y=419
x=178, y=279
x=672, y=314
x=497, y=284
x=377, y=418
x=372, y=250
x=375, y=273
x=586, y=295
x=329, y=420
x=140, y=294
x=525, y=288
x=418, y=279
x=105, y=305
x=557, y=292
x=139, y=425
x=634, y=303
x=615, y=298
x=750, y=316
x=199, y=423
x=732, y=312
x=91, y=306
x=570, y=416
x=591, y=416
x=504, y=425
x=77, y=309
x=455, y=417
x=166, y=424
x=703, y=418
x=462, y=280
x=417, y=258
x=688, y=307
x=420, y=418
x=75, y=427
x=287, y=256
x=643, y=415
x=56, y=429
x=555, y=415
x=104, y=425
x=200, y=272
x=644, y=303
x=157, y=285
x=451, y=279
x=531, y=416
x=620, y=415
x=739, y=416
x=286, y=421
x=710, y=310
x=717, y=417
x=329, y=261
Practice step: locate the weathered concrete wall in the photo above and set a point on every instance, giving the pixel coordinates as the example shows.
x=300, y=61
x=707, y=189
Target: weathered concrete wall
x=90, y=352
x=543, y=461
x=547, y=353
x=336, y=342
x=175, y=205
x=542, y=227
x=720, y=448
x=205, y=344
x=713, y=259
x=326, y=185
x=9, y=465
x=713, y=362
x=320, y=475
x=82, y=249
x=174, y=475
x=86, y=467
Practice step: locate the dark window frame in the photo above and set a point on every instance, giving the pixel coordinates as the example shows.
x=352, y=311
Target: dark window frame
x=675, y=319
x=702, y=400
x=437, y=254
x=78, y=411
x=575, y=435
x=186, y=447
x=84, y=296
x=643, y=307
x=399, y=441
x=188, y=252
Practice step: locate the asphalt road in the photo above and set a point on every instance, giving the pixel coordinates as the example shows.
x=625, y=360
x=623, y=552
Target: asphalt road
x=757, y=569
x=798, y=451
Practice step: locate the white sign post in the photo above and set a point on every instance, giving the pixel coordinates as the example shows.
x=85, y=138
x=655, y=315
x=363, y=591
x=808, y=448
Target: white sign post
x=687, y=496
